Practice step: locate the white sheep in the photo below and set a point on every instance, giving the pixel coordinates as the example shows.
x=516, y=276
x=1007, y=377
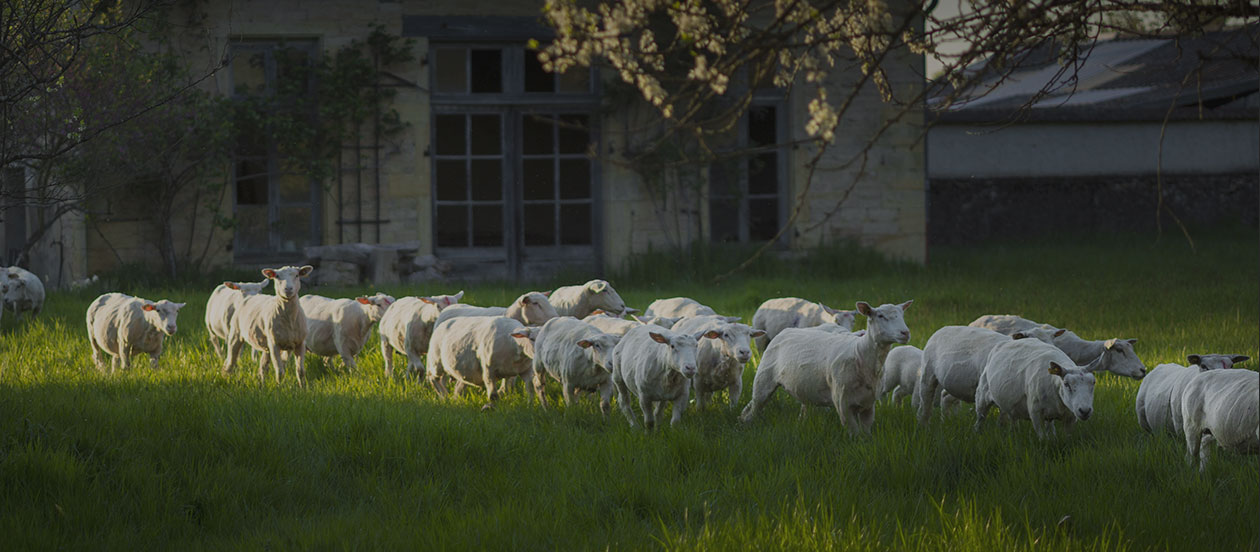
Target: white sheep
x=24, y=292
x=222, y=305
x=531, y=309
x=656, y=365
x=902, y=369
x=121, y=326
x=576, y=354
x=840, y=371
x=1081, y=351
x=719, y=361
x=616, y=325
x=271, y=324
x=1029, y=379
x=581, y=301
x=340, y=327
x=480, y=351
x=407, y=326
x=1222, y=407
x=954, y=357
x=678, y=307
x=776, y=315
x=1158, y=402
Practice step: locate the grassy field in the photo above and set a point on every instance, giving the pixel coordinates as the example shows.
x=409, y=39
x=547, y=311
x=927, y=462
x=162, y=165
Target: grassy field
x=184, y=458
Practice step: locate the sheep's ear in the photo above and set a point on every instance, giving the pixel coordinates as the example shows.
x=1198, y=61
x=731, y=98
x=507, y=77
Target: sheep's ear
x=1194, y=359
x=305, y=271
x=658, y=337
x=428, y=300
x=1109, y=344
x=1019, y=335
x=1132, y=341
x=546, y=294
x=629, y=310
x=1239, y=358
x=585, y=344
x=827, y=309
x=711, y=334
x=598, y=286
x=179, y=305
x=906, y=305
x=637, y=319
x=598, y=311
x=1057, y=370
x=233, y=285
x=1059, y=333
x=13, y=276
x=149, y=307
x=522, y=334
x=864, y=308
x=757, y=333
x=270, y=273
x=265, y=281
x=525, y=301
x=455, y=298
x=363, y=300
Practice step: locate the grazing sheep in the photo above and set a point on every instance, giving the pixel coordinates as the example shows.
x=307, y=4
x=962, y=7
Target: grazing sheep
x=1029, y=379
x=656, y=365
x=841, y=371
x=340, y=327
x=1081, y=351
x=24, y=292
x=1221, y=406
x=530, y=309
x=581, y=301
x=576, y=354
x=776, y=315
x=678, y=307
x=271, y=324
x=480, y=351
x=407, y=326
x=222, y=305
x=122, y=326
x=954, y=357
x=719, y=361
x=1158, y=401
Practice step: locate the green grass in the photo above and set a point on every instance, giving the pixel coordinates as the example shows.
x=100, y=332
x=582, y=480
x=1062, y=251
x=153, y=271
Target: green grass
x=184, y=458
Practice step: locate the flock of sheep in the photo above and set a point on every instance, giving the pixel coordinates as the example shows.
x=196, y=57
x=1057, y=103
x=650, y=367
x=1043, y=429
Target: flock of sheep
x=579, y=336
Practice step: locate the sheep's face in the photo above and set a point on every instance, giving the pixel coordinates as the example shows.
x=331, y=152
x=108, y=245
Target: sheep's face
x=14, y=288
x=1216, y=362
x=734, y=340
x=1119, y=358
x=162, y=315
x=1076, y=390
x=525, y=337
x=288, y=280
x=248, y=288
x=536, y=309
x=1044, y=334
x=603, y=296
x=844, y=318
x=682, y=349
x=377, y=304
x=886, y=322
x=599, y=348
x=443, y=301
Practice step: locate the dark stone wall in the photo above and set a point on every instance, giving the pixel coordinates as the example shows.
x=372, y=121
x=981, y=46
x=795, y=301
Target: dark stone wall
x=973, y=210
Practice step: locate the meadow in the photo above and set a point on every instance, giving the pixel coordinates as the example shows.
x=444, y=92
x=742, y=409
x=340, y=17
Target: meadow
x=186, y=458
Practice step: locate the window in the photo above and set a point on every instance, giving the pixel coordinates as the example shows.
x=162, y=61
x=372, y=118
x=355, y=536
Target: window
x=557, y=179
x=745, y=202
x=275, y=205
x=468, y=180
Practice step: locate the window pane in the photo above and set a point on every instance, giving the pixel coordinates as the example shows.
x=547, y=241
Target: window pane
x=536, y=79
x=540, y=224
x=763, y=218
x=487, y=179
x=537, y=135
x=763, y=174
x=487, y=225
x=723, y=180
x=724, y=219
x=487, y=71
x=761, y=126
x=293, y=227
x=450, y=70
x=251, y=182
x=452, y=226
x=539, y=178
x=292, y=70
x=451, y=180
x=575, y=179
x=577, y=80
x=574, y=133
x=575, y=224
x=294, y=188
x=249, y=73
x=251, y=228
x=486, y=134
x=448, y=135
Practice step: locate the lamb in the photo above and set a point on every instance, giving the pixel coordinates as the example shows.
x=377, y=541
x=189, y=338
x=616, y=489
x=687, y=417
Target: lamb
x=576, y=354
x=719, y=361
x=340, y=327
x=656, y=365
x=531, y=309
x=222, y=305
x=121, y=326
x=954, y=357
x=271, y=324
x=1221, y=406
x=407, y=326
x=776, y=315
x=678, y=307
x=24, y=292
x=480, y=351
x=581, y=301
x=840, y=371
x=1081, y=351
x=1158, y=401
x=1029, y=379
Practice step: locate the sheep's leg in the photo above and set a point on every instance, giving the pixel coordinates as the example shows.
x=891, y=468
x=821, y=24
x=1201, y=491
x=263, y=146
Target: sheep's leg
x=459, y=389
x=899, y=394
x=1194, y=440
x=983, y=402
x=649, y=413
x=848, y=417
x=492, y=394
x=947, y=403
x=680, y=406
x=927, y=390
x=114, y=363
x=865, y=418
x=804, y=412
x=734, y=391
x=232, y=351
x=1205, y=450
x=274, y=353
x=605, y=397
x=214, y=344
x=701, y=397
x=623, y=400
x=153, y=358
x=263, y=361
x=300, y=353
x=98, y=352
x=387, y=353
x=764, y=385
x=566, y=388
x=1039, y=425
x=124, y=355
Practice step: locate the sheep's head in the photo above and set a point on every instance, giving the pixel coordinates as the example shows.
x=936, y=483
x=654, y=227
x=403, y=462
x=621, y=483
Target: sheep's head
x=734, y=340
x=682, y=348
x=599, y=348
x=603, y=296
x=886, y=323
x=443, y=301
x=1045, y=334
x=1216, y=362
x=1076, y=389
x=536, y=308
x=248, y=288
x=525, y=336
x=162, y=315
x=1119, y=358
x=379, y=303
x=288, y=280
x=14, y=287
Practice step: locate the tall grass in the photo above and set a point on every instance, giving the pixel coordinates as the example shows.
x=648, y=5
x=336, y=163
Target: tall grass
x=187, y=458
